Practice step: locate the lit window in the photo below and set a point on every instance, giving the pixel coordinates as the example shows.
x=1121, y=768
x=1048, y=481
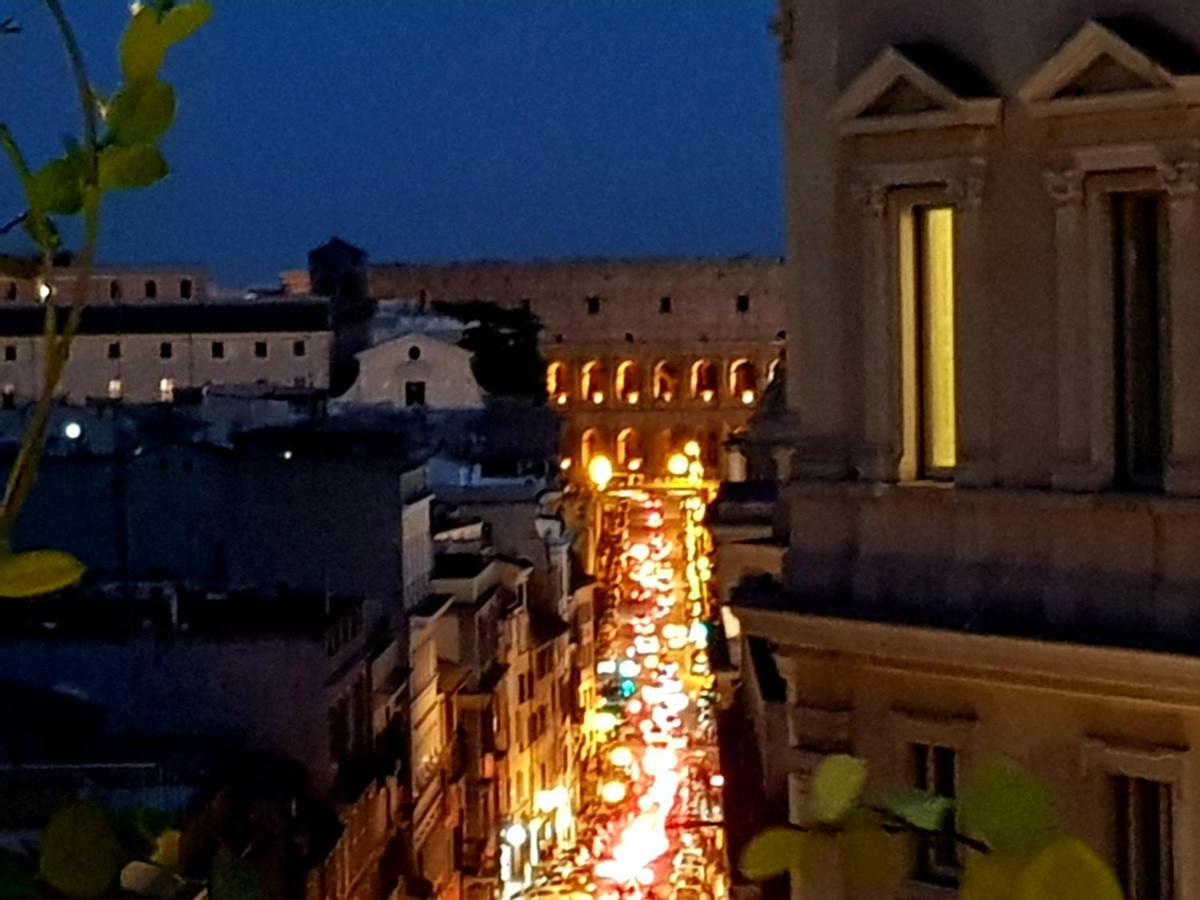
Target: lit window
x=927, y=325
x=628, y=385
x=665, y=382
x=166, y=390
x=115, y=389
x=704, y=381
x=260, y=349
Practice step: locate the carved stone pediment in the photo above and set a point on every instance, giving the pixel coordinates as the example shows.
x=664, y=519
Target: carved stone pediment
x=1111, y=65
x=895, y=94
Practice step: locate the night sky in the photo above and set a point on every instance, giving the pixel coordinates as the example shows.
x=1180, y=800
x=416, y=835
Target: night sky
x=436, y=129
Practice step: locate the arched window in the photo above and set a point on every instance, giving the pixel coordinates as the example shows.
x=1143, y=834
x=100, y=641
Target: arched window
x=704, y=380
x=629, y=449
x=775, y=369
x=591, y=445
x=558, y=384
x=593, y=381
x=151, y=289
x=629, y=382
x=743, y=381
x=665, y=381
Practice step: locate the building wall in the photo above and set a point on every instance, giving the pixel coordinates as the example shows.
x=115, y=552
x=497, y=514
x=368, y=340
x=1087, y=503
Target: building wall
x=442, y=368
x=170, y=282
x=606, y=313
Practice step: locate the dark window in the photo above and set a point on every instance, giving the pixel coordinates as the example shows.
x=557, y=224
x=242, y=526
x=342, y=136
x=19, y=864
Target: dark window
x=526, y=304
x=165, y=350
x=10, y=352
x=260, y=349
x=629, y=337
x=414, y=353
x=185, y=288
x=593, y=306
x=414, y=393
x=1144, y=838
x=10, y=292
x=114, y=350
x=9, y=398
x=299, y=348
x=114, y=290
x=935, y=769
x=151, y=290
x=743, y=303
x=1140, y=363
x=218, y=349
x=664, y=304
x=781, y=335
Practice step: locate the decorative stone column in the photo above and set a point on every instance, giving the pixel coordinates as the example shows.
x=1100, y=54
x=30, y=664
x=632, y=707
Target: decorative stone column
x=879, y=454
x=1181, y=181
x=1080, y=463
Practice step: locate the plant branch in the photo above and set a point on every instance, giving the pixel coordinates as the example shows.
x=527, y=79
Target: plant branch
x=13, y=222
x=57, y=347
x=896, y=823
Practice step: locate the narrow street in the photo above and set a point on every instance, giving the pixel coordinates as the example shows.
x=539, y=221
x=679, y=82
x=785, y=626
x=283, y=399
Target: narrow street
x=651, y=826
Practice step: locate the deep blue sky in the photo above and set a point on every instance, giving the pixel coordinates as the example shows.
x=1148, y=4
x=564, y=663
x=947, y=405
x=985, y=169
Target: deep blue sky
x=436, y=129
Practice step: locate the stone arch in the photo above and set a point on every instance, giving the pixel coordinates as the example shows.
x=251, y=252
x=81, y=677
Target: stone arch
x=704, y=380
x=665, y=387
x=628, y=382
x=743, y=381
x=774, y=369
x=629, y=448
x=591, y=444
x=558, y=382
x=593, y=381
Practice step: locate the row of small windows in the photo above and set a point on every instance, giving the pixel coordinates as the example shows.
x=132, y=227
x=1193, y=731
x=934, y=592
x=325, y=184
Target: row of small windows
x=166, y=350
x=741, y=304
x=149, y=290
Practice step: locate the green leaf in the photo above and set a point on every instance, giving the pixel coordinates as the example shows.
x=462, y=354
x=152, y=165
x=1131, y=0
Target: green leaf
x=1006, y=807
x=131, y=167
x=56, y=188
x=38, y=572
x=141, y=112
x=1067, y=869
x=181, y=21
x=836, y=786
x=142, y=46
x=232, y=878
x=920, y=809
x=991, y=876
x=80, y=853
x=772, y=852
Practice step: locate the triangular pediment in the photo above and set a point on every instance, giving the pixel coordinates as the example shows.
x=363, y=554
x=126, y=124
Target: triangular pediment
x=1099, y=68
x=896, y=94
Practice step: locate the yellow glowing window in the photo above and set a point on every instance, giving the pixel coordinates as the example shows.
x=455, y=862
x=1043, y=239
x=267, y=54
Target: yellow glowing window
x=927, y=320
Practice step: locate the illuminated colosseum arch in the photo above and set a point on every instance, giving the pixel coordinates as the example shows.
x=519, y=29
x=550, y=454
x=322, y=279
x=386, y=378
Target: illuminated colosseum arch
x=558, y=382
x=593, y=381
x=629, y=449
x=665, y=381
x=591, y=445
x=704, y=380
x=775, y=369
x=743, y=381
x=629, y=382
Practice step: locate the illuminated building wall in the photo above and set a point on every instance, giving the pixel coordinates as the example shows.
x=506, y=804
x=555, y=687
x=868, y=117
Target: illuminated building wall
x=989, y=452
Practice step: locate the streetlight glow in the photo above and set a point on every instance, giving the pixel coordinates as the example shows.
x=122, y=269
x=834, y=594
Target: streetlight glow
x=677, y=465
x=600, y=471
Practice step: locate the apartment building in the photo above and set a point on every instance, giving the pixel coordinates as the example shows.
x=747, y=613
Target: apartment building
x=149, y=332
x=988, y=455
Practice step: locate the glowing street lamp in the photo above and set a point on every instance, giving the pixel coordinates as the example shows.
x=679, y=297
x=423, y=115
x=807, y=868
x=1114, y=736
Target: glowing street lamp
x=677, y=465
x=748, y=397
x=516, y=834
x=692, y=448
x=600, y=471
x=613, y=792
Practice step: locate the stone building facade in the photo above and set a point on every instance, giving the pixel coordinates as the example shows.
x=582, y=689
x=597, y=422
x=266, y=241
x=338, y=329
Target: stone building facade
x=151, y=331
x=990, y=444
x=641, y=356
